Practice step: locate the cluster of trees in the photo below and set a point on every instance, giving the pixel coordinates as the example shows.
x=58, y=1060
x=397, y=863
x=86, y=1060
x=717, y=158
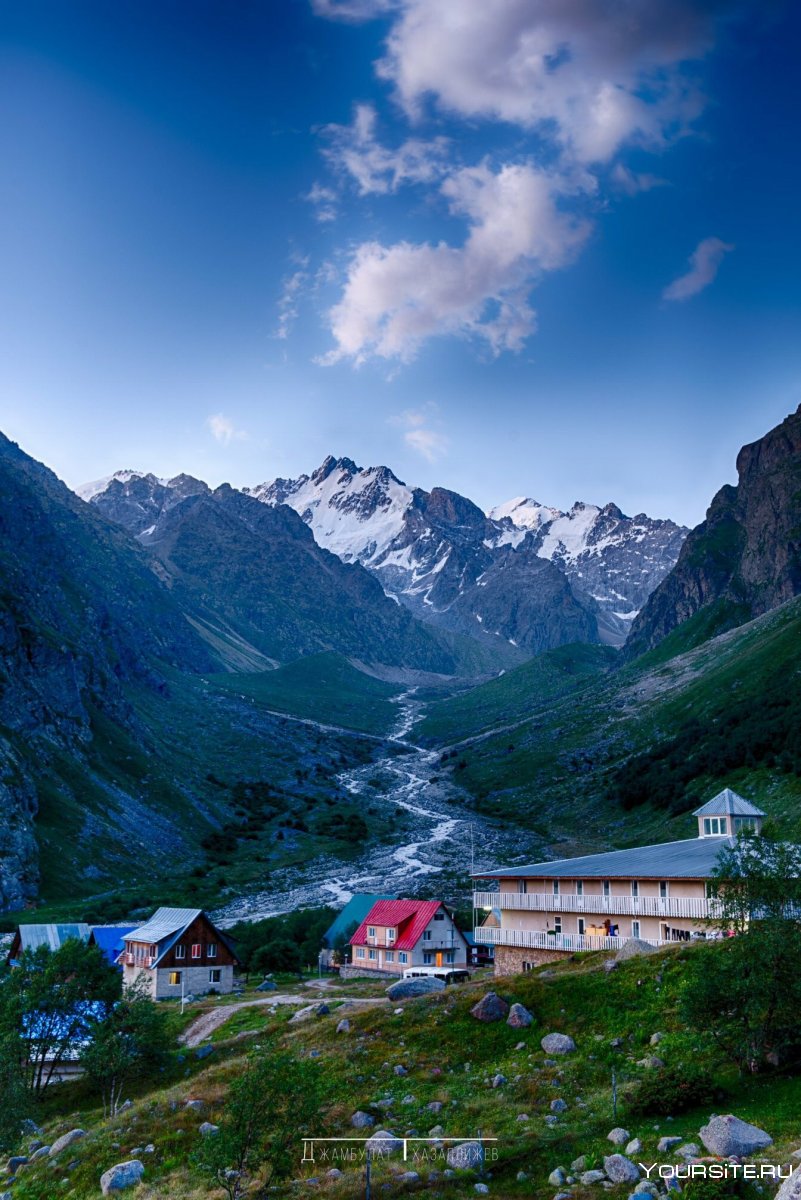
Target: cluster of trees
x=65, y=1006
x=745, y=992
x=746, y=734
x=290, y=942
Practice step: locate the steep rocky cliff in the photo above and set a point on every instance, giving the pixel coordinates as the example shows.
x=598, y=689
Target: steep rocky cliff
x=746, y=556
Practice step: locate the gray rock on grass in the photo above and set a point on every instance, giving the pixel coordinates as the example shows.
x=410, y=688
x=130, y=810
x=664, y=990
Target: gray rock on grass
x=67, y=1139
x=121, y=1176
x=490, y=1008
x=728, y=1135
x=519, y=1017
x=466, y=1154
x=558, y=1043
x=621, y=1169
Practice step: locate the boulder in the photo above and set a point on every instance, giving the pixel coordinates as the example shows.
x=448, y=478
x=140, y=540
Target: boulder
x=634, y=1147
x=481, y=1188
x=204, y=1051
x=618, y=1136
x=656, y=1038
x=499, y=1080
x=519, y=1017
x=557, y=1177
x=435, y=1106
x=558, y=1043
x=634, y=947
x=490, y=1008
x=67, y=1139
x=194, y=1105
x=124, y=1175
x=651, y=1062
x=688, y=1150
x=362, y=1120
x=267, y=986
x=399, y=1069
x=15, y=1162
x=558, y=1106
x=42, y=1152
x=621, y=1169
x=729, y=1135
x=303, y=1014
x=667, y=1143
x=383, y=1143
x=409, y=1177
x=791, y=1188
x=592, y=1177
x=466, y=1154
x=321, y=1010
x=343, y=1026
x=208, y=1130
x=407, y=989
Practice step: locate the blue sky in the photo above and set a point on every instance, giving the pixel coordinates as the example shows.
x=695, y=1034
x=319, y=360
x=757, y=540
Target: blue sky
x=542, y=247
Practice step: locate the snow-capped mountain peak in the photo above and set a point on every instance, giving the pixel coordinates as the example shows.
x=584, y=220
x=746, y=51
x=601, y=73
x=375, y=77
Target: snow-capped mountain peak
x=88, y=491
x=524, y=513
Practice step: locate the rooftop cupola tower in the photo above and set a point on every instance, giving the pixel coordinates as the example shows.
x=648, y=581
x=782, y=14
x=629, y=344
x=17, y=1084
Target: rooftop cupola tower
x=726, y=814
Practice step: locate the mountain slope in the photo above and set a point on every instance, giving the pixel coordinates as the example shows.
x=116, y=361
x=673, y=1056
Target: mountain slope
x=745, y=558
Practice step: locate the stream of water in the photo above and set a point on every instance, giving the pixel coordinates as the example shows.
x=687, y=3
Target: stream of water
x=442, y=835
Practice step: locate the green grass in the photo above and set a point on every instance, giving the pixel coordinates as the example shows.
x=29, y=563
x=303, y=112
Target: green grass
x=322, y=687
x=450, y=1059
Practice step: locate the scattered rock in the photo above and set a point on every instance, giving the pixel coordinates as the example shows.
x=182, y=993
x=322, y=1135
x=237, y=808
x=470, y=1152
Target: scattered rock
x=579, y=1164
x=208, y=1130
x=384, y=1143
x=592, y=1177
x=558, y=1106
x=362, y=1120
x=729, y=1135
x=409, y=1177
x=481, y=1188
x=791, y=1188
x=14, y=1163
x=618, y=1136
x=689, y=1150
x=334, y=1173
x=557, y=1177
x=499, y=1080
x=194, y=1105
x=399, y=1069
x=343, y=1026
x=621, y=1169
x=656, y=1038
x=408, y=1100
x=204, y=1051
x=667, y=1143
x=552, y=1119
x=519, y=1017
x=558, y=1043
x=407, y=989
x=610, y=965
x=466, y=1154
x=490, y=1008
x=267, y=986
x=42, y=1152
x=634, y=1146
x=67, y=1139
x=522, y=1117
x=651, y=1062
x=435, y=1106
x=634, y=947
x=124, y=1175
x=520, y=1045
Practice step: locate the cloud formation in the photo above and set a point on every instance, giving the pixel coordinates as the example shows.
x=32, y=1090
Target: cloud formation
x=420, y=435
x=378, y=169
x=396, y=296
x=704, y=261
x=224, y=431
x=288, y=301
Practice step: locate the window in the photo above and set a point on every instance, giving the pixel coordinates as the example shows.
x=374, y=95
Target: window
x=527, y=966
x=449, y=956
x=557, y=924
x=211, y=949
x=426, y=935
x=371, y=930
x=153, y=951
x=390, y=935
x=581, y=926
x=360, y=951
x=663, y=889
x=427, y=957
x=371, y=954
x=522, y=886
x=635, y=888
x=390, y=956
x=744, y=823
x=715, y=826
x=215, y=975
x=635, y=929
x=403, y=956
x=197, y=950
x=607, y=888
x=180, y=951
x=440, y=916
x=175, y=978
x=579, y=887
x=556, y=887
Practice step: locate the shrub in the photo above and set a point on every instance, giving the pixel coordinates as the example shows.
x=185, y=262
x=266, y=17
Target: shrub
x=672, y=1089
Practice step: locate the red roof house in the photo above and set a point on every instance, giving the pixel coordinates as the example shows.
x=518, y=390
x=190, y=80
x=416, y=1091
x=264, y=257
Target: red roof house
x=399, y=934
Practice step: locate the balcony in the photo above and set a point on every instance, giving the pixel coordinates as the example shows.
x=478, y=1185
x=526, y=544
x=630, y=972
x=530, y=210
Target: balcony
x=535, y=939
x=694, y=908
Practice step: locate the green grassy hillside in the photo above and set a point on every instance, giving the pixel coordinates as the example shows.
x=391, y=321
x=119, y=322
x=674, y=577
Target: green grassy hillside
x=451, y=1060
x=623, y=755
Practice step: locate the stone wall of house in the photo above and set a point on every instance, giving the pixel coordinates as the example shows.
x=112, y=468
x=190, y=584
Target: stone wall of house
x=195, y=982
x=352, y=971
x=509, y=959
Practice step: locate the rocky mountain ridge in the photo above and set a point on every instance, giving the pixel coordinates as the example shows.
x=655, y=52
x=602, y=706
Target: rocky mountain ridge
x=745, y=557
x=531, y=576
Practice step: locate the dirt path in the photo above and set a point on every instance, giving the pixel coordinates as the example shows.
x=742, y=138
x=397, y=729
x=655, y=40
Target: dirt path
x=206, y=1024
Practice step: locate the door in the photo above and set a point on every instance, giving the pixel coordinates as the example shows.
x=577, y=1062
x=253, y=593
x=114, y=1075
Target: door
x=439, y=958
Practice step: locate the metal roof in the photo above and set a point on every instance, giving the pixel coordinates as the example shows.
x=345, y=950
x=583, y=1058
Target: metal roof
x=355, y=910
x=409, y=917
x=110, y=939
x=53, y=936
x=729, y=804
x=163, y=923
x=692, y=858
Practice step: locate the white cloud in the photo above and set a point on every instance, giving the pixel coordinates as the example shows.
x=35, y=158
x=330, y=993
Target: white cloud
x=591, y=75
x=704, y=261
x=376, y=168
x=420, y=434
x=324, y=200
x=224, y=431
x=633, y=182
x=352, y=10
x=288, y=301
x=396, y=296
